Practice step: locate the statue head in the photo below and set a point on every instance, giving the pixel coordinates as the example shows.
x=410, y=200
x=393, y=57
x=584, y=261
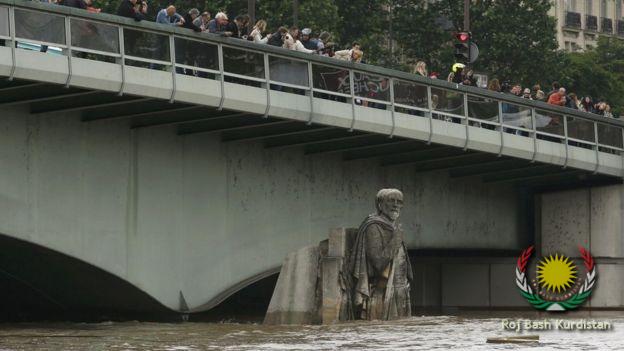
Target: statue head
x=389, y=203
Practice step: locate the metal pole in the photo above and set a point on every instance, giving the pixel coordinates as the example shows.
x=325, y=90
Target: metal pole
x=466, y=15
x=172, y=57
x=122, y=61
x=295, y=12
x=533, y=123
x=267, y=78
x=565, y=140
x=13, y=42
x=69, y=51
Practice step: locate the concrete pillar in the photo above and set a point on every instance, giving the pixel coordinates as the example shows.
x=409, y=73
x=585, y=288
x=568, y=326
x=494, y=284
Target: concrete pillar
x=340, y=243
x=593, y=218
x=294, y=298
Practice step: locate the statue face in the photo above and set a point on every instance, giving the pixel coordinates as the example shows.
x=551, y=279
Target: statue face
x=391, y=206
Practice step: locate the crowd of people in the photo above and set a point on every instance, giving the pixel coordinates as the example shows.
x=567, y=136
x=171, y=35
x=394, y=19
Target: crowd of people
x=308, y=41
x=558, y=95
x=292, y=38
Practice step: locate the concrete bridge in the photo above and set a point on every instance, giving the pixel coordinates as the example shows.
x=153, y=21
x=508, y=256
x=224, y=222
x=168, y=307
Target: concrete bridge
x=147, y=168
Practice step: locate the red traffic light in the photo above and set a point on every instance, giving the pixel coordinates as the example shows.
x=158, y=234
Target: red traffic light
x=463, y=36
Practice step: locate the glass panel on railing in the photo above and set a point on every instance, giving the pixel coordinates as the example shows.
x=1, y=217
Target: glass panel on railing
x=516, y=116
x=371, y=86
x=197, y=54
x=548, y=122
x=331, y=79
x=94, y=36
x=411, y=94
x=609, y=135
x=447, y=101
x=288, y=71
x=484, y=109
x=40, y=26
x=245, y=63
x=4, y=21
x=146, y=45
x=580, y=129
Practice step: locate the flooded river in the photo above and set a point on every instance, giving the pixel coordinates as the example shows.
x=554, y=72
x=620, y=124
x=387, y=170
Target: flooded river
x=416, y=333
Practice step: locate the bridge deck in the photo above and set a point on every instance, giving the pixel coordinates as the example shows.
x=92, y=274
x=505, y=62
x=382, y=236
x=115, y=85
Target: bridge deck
x=319, y=96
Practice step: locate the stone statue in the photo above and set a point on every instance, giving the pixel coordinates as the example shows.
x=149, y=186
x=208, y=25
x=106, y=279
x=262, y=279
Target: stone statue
x=379, y=271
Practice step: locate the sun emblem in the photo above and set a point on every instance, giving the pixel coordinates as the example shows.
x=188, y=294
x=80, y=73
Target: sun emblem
x=556, y=273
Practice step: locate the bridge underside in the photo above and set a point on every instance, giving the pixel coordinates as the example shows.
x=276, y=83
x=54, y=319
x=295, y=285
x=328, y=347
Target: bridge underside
x=277, y=133
x=42, y=284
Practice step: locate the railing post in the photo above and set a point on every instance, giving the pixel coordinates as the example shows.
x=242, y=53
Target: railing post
x=172, y=57
x=352, y=88
x=13, y=41
x=430, y=106
x=466, y=114
x=622, y=153
x=534, y=124
x=122, y=58
x=500, y=121
x=69, y=50
x=222, y=75
x=597, y=148
x=565, y=140
x=267, y=78
x=311, y=85
x=391, y=82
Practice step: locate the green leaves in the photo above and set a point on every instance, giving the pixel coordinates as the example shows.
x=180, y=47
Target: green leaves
x=598, y=73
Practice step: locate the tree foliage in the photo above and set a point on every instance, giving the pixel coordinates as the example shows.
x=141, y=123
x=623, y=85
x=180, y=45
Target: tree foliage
x=516, y=39
x=598, y=73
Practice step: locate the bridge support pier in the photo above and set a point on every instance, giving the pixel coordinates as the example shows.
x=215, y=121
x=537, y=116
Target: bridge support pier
x=592, y=218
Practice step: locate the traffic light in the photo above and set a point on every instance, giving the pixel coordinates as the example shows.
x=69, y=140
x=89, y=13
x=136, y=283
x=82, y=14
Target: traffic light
x=462, y=47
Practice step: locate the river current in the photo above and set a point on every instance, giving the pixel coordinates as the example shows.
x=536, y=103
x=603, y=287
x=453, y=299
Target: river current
x=416, y=333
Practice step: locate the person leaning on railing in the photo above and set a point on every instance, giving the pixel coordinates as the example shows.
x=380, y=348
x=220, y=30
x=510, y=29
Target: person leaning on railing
x=189, y=20
x=79, y=4
x=136, y=9
x=169, y=16
x=258, y=30
x=219, y=25
x=355, y=54
x=202, y=21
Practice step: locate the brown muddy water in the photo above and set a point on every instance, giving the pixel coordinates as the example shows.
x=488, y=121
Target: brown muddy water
x=416, y=333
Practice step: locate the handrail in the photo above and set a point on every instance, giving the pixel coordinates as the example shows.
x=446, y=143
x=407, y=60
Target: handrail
x=314, y=59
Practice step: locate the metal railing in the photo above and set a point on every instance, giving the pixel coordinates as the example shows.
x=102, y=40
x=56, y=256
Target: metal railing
x=606, y=25
x=82, y=35
x=591, y=23
x=572, y=19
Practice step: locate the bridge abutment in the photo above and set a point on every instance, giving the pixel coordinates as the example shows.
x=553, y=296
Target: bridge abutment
x=592, y=218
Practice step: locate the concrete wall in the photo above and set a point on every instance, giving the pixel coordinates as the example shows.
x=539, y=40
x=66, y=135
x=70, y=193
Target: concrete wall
x=467, y=282
x=192, y=214
x=592, y=218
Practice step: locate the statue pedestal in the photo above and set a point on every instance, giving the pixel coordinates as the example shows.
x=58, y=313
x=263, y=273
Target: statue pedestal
x=309, y=288
x=294, y=299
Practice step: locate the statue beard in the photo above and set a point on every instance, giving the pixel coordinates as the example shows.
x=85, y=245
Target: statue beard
x=393, y=215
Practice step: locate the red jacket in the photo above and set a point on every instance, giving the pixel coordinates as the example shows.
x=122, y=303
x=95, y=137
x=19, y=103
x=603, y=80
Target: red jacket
x=556, y=99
